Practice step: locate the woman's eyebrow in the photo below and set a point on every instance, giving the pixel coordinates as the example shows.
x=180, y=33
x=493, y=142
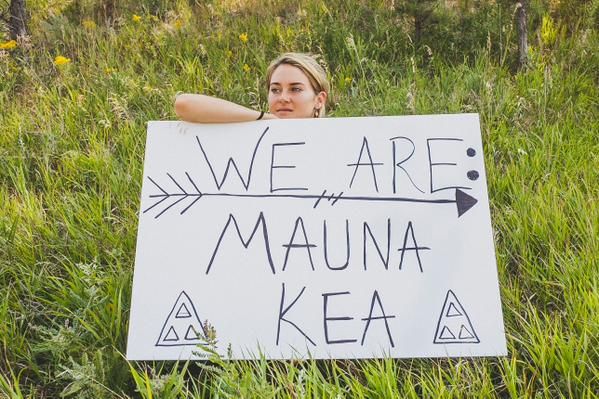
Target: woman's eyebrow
x=290, y=84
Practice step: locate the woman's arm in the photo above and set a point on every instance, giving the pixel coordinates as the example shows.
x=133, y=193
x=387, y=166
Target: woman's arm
x=206, y=109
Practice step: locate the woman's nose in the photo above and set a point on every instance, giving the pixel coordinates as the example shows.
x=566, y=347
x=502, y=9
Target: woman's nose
x=284, y=96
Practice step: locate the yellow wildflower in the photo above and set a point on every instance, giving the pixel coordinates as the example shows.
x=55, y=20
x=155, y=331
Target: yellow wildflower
x=88, y=24
x=229, y=53
x=178, y=24
x=347, y=80
x=9, y=45
x=246, y=68
x=136, y=18
x=109, y=70
x=244, y=37
x=154, y=18
x=60, y=60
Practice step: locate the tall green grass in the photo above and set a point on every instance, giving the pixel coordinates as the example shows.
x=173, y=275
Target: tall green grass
x=71, y=150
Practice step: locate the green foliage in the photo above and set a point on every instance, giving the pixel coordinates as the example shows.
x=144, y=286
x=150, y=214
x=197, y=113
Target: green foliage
x=72, y=142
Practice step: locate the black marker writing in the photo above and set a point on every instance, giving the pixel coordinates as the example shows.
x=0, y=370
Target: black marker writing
x=325, y=245
x=397, y=164
x=463, y=201
x=299, y=222
x=283, y=311
x=385, y=259
x=370, y=163
x=432, y=164
x=326, y=319
x=375, y=298
x=231, y=162
x=261, y=222
x=274, y=166
x=416, y=248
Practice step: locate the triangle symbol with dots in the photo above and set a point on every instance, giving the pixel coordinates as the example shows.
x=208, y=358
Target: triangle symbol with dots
x=182, y=326
x=454, y=325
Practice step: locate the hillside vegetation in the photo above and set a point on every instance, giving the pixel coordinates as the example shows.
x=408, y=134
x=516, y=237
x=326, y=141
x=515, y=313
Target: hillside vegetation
x=75, y=96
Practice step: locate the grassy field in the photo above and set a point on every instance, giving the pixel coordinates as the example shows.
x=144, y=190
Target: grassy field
x=72, y=136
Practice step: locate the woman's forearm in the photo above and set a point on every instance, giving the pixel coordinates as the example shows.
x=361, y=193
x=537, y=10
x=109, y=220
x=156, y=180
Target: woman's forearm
x=206, y=109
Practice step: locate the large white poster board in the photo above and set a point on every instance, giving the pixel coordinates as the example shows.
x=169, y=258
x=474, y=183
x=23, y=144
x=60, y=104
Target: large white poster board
x=330, y=238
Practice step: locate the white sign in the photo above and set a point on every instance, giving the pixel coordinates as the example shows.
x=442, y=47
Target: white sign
x=329, y=238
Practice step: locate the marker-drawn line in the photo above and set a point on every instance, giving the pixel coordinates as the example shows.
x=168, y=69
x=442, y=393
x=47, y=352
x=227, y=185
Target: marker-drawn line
x=319, y=198
x=398, y=165
x=231, y=164
x=179, y=195
x=193, y=183
x=157, y=203
x=337, y=199
x=156, y=184
x=190, y=205
x=169, y=207
x=462, y=200
x=172, y=324
x=312, y=196
x=443, y=332
x=175, y=181
x=173, y=195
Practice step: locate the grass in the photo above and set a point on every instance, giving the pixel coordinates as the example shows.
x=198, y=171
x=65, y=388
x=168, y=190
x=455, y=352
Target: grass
x=71, y=148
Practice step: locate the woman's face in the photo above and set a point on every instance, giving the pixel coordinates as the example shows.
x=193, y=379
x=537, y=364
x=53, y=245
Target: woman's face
x=290, y=94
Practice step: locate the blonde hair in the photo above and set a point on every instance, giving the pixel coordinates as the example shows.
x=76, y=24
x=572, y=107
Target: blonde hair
x=309, y=66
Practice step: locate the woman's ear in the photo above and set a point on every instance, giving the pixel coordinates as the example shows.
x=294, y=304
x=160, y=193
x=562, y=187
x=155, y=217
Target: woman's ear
x=321, y=99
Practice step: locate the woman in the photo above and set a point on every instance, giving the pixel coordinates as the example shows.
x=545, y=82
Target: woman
x=297, y=88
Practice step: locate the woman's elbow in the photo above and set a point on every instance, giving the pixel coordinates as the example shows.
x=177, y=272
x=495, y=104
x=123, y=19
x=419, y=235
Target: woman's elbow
x=182, y=107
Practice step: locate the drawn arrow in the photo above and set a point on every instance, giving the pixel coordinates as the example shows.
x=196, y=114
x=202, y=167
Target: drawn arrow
x=462, y=200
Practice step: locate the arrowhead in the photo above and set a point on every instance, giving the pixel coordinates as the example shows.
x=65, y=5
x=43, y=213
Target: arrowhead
x=464, y=201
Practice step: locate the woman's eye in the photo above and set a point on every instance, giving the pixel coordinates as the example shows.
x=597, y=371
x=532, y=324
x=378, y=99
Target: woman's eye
x=274, y=90
x=296, y=89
